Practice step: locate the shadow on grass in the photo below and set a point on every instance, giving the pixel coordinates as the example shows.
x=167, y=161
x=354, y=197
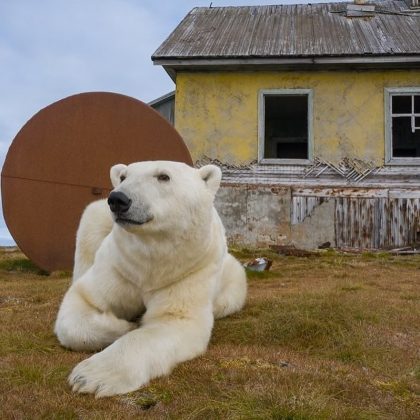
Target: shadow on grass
x=261, y=274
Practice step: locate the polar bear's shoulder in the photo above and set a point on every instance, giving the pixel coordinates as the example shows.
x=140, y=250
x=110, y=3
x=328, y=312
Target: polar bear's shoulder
x=95, y=225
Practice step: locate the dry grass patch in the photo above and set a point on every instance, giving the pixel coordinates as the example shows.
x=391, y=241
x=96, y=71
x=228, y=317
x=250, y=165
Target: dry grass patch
x=334, y=336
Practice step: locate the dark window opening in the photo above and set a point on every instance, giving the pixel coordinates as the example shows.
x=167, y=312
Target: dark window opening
x=401, y=104
x=405, y=115
x=417, y=104
x=286, y=127
x=405, y=143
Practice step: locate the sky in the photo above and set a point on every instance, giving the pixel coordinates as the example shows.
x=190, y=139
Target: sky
x=51, y=49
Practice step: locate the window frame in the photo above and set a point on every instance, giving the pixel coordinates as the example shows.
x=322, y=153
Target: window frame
x=389, y=159
x=261, y=125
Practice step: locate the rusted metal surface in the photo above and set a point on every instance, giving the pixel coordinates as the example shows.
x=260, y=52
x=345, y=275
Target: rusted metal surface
x=60, y=161
x=305, y=30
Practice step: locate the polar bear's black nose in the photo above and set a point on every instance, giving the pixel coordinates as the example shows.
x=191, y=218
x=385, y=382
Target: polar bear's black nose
x=118, y=202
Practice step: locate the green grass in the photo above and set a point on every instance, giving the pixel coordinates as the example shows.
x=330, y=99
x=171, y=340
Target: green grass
x=261, y=274
x=330, y=336
x=314, y=324
x=21, y=265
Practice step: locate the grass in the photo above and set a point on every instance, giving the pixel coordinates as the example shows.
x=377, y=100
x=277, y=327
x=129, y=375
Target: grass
x=22, y=265
x=321, y=337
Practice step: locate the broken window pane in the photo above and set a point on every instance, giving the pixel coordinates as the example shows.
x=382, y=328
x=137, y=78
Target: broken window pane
x=286, y=127
x=417, y=104
x=401, y=104
x=405, y=143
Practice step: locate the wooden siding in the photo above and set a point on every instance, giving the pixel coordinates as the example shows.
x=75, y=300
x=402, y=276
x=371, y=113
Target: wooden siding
x=396, y=178
x=364, y=220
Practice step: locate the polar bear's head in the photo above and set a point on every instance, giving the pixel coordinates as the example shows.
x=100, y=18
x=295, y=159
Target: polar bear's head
x=157, y=196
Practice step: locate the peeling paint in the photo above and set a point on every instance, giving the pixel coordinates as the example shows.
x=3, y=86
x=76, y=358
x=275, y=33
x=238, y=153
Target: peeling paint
x=303, y=207
x=217, y=112
x=317, y=227
x=348, y=197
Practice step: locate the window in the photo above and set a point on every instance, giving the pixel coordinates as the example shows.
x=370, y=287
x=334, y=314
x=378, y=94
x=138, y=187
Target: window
x=403, y=125
x=285, y=126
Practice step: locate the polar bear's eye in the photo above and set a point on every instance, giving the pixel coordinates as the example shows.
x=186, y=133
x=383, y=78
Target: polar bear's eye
x=122, y=177
x=163, y=177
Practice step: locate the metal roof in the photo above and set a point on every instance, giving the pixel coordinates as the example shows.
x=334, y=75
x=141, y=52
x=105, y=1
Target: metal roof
x=170, y=96
x=291, y=31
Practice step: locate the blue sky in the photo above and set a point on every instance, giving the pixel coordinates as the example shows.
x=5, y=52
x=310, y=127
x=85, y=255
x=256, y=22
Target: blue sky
x=50, y=49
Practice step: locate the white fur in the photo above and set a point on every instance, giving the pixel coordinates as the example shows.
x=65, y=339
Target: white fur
x=148, y=293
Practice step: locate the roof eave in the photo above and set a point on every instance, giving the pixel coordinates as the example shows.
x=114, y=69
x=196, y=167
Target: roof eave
x=164, y=98
x=172, y=65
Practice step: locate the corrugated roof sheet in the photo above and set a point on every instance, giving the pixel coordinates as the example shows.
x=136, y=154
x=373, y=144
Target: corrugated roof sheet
x=305, y=30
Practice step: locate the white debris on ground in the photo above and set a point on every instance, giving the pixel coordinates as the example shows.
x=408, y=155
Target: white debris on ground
x=259, y=264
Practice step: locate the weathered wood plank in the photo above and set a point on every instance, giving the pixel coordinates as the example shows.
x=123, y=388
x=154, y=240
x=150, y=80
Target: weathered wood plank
x=374, y=223
x=340, y=192
x=404, y=193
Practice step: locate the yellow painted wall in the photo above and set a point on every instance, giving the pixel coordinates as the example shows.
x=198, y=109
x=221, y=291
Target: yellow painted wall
x=217, y=112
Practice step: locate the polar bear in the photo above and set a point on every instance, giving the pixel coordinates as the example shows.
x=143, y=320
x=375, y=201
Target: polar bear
x=151, y=273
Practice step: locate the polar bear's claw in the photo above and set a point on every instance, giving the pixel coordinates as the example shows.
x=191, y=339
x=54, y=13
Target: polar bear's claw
x=100, y=376
x=78, y=381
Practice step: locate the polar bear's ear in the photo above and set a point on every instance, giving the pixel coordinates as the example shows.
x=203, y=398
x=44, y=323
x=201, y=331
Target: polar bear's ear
x=211, y=175
x=116, y=172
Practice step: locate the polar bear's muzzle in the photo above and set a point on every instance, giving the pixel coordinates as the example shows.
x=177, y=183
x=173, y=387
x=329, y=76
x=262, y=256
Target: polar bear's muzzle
x=120, y=203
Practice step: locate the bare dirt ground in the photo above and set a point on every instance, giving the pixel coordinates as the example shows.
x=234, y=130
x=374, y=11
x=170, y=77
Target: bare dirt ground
x=321, y=337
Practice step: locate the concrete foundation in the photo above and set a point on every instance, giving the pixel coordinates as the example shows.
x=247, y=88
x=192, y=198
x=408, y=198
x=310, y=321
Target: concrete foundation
x=257, y=215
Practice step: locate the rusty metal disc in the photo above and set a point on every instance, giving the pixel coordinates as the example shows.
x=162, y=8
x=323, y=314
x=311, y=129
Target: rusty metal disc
x=60, y=160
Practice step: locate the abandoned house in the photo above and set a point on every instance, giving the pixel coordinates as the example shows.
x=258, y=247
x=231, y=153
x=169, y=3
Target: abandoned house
x=313, y=112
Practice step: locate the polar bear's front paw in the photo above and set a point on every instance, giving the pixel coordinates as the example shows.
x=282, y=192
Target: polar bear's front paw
x=101, y=375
